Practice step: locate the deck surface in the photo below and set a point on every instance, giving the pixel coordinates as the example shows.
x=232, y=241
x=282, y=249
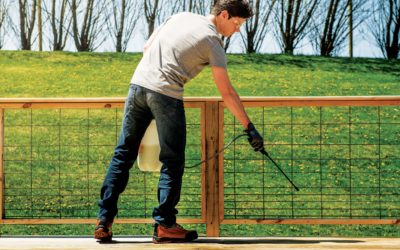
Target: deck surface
x=299, y=243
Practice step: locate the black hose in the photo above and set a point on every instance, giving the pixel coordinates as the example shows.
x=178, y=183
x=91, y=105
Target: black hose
x=216, y=154
x=261, y=151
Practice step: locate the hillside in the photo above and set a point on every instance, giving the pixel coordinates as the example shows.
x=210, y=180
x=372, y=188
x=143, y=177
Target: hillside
x=65, y=74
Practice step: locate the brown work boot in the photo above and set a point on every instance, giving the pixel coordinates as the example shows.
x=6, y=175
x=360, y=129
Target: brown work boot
x=175, y=233
x=103, y=230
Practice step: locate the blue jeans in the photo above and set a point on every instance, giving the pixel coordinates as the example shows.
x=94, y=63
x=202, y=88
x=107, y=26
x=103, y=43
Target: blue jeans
x=141, y=106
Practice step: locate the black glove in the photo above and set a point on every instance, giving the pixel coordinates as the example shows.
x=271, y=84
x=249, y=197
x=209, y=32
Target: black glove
x=255, y=139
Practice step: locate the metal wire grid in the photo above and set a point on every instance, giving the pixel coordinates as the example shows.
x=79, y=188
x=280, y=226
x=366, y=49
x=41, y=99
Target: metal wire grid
x=345, y=160
x=55, y=161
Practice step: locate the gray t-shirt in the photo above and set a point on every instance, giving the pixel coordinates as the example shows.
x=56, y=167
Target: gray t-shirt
x=184, y=45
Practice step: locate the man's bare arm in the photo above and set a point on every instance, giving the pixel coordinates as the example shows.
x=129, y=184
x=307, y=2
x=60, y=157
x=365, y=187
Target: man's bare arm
x=232, y=101
x=229, y=95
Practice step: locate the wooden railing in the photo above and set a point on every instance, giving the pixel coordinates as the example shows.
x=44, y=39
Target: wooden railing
x=212, y=133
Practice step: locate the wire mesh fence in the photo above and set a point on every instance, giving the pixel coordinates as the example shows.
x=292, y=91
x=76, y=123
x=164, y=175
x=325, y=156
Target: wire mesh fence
x=343, y=154
x=55, y=160
x=345, y=160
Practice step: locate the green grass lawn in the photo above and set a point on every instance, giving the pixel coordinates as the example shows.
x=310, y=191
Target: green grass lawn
x=60, y=74
x=330, y=159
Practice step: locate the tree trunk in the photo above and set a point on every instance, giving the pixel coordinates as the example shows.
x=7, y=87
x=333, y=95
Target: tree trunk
x=3, y=16
x=288, y=49
x=227, y=42
x=324, y=36
x=256, y=27
x=350, y=28
x=151, y=14
x=293, y=21
x=393, y=48
x=60, y=25
x=121, y=27
x=122, y=20
x=250, y=48
x=26, y=26
x=91, y=25
x=40, y=25
x=328, y=39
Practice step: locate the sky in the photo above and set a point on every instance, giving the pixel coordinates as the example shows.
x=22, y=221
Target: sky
x=363, y=46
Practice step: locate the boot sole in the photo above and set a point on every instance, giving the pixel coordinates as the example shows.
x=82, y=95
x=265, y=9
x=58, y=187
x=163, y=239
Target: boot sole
x=189, y=237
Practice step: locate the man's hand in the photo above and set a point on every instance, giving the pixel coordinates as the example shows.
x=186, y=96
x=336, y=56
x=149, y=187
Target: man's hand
x=255, y=139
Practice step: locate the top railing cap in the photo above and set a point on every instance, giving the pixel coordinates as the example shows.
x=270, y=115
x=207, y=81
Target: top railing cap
x=118, y=102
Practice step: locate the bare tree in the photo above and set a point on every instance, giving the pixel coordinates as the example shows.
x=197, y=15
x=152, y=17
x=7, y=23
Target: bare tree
x=187, y=5
x=27, y=14
x=3, y=18
x=150, y=11
x=203, y=7
x=60, y=22
x=331, y=25
x=257, y=26
x=122, y=22
x=385, y=27
x=197, y=6
x=167, y=10
x=293, y=17
x=157, y=11
x=87, y=33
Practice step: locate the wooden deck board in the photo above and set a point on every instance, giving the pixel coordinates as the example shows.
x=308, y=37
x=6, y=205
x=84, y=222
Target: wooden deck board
x=299, y=243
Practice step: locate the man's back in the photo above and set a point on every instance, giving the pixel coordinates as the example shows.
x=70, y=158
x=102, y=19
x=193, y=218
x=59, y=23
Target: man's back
x=184, y=44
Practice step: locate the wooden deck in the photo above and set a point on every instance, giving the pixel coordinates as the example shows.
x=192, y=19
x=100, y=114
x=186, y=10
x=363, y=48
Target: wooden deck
x=300, y=243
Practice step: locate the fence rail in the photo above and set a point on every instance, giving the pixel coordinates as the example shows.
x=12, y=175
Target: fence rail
x=343, y=152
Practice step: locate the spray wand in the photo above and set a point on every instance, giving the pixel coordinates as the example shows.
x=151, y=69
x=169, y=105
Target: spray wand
x=261, y=151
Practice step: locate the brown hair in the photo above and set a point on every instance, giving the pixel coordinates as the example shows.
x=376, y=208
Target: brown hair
x=235, y=8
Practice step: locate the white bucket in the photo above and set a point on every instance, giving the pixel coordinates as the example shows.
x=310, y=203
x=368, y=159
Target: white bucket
x=149, y=150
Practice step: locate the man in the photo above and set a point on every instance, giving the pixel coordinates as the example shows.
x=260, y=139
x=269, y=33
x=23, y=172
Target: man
x=175, y=53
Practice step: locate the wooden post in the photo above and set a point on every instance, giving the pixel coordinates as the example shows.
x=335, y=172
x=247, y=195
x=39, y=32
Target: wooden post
x=1, y=165
x=212, y=177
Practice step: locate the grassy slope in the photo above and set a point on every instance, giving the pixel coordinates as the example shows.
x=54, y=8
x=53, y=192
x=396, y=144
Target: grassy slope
x=33, y=74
